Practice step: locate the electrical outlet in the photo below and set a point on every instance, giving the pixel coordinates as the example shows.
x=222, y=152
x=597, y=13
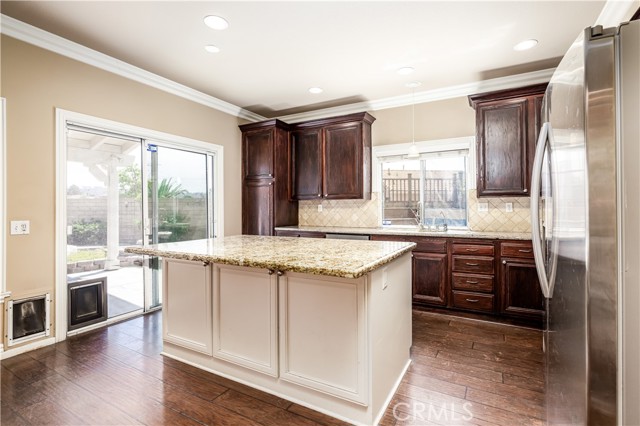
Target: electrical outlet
x=483, y=207
x=319, y=207
x=19, y=227
x=508, y=207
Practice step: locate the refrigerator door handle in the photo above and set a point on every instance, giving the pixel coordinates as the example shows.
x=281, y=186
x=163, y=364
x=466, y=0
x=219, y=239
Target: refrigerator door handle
x=536, y=177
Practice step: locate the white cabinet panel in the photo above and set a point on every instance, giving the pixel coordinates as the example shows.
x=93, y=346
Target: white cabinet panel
x=323, y=334
x=188, y=303
x=246, y=317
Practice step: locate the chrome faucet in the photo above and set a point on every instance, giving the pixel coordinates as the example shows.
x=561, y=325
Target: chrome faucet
x=444, y=221
x=418, y=216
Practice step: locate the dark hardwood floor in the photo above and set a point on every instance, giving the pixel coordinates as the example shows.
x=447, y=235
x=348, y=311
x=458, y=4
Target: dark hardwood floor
x=463, y=372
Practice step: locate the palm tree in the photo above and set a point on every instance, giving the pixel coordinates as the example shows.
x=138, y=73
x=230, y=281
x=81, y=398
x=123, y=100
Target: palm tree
x=168, y=189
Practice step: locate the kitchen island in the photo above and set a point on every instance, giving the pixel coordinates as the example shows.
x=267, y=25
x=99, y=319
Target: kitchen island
x=323, y=323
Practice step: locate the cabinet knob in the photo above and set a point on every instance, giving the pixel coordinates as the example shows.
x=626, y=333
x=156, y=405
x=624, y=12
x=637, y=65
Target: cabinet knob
x=271, y=271
x=205, y=263
x=526, y=190
x=504, y=262
x=280, y=273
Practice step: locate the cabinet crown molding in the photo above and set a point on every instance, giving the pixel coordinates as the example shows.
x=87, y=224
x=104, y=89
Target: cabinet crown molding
x=478, y=98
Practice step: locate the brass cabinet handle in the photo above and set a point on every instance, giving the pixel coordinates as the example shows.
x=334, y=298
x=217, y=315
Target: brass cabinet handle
x=472, y=300
x=472, y=282
x=472, y=249
x=472, y=264
x=524, y=251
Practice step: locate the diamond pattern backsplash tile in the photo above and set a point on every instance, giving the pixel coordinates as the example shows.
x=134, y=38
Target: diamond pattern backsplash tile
x=366, y=213
x=497, y=219
x=346, y=213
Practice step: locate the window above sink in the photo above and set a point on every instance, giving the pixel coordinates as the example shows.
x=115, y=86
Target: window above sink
x=427, y=191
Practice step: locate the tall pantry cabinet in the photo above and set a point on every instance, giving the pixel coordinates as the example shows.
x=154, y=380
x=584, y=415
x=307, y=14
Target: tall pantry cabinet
x=265, y=174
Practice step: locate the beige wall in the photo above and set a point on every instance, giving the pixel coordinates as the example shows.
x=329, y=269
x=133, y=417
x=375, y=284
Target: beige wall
x=450, y=118
x=35, y=82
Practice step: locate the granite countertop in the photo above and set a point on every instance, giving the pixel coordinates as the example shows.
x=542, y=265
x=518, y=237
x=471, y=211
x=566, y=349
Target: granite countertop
x=412, y=231
x=337, y=258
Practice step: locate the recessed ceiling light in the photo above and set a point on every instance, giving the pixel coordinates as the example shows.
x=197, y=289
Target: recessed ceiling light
x=315, y=90
x=413, y=84
x=216, y=22
x=211, y=48
x=405, y=70
x=526, y=44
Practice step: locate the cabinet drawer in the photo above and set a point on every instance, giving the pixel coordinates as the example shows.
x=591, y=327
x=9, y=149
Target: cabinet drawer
x=473, y=264
x=473, y=249
x=431, y=245
x=474, y=301
x=516, y=250
x=469, y=282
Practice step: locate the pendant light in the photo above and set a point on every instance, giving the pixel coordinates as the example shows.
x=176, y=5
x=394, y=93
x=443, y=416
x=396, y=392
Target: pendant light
x=413, y=149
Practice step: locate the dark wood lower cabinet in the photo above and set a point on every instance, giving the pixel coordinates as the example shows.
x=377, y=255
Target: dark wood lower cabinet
x=494, y=278
x=521, y=295
x=430, y=278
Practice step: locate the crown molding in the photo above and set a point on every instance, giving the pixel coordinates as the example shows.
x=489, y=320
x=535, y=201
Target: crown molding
x=494, y=84
x=43, y=39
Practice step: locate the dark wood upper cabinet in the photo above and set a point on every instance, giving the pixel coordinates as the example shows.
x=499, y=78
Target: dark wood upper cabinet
x=331, y=158
x=306, y=164
x=258, y=146
x=507, y=126
x=265, y=178
x=343, y=168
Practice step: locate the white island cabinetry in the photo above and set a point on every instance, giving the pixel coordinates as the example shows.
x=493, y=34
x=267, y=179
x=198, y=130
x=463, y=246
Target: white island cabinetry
x=332, y=334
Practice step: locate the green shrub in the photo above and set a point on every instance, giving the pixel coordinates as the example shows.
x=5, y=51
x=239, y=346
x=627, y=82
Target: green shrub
x=90, y=232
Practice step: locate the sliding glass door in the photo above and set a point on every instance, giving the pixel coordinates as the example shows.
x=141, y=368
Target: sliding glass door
x=104, y=215
x=124, y=191
x=179, y=186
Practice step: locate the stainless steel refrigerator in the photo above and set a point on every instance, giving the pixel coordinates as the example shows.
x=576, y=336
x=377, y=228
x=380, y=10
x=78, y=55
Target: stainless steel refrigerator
x=586, y=229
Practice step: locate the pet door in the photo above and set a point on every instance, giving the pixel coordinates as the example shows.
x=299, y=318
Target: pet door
x=28, y=319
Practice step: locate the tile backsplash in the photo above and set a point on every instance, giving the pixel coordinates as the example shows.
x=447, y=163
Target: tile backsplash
x=346, y=213
x=366, y=213
x=496, y=218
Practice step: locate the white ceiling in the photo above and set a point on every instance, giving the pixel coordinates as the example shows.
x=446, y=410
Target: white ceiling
x=273, y=52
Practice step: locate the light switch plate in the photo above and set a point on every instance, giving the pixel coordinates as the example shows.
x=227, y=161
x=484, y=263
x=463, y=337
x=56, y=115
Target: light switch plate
x=319, y=207
x=19, y=227
x=508, y=207
x=483, y=207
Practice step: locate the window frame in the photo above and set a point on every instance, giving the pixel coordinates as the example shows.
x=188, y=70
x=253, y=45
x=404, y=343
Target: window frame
x=381, y=153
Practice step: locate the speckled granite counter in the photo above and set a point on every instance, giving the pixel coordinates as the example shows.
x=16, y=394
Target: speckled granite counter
x=454, y=233
x=338, y=258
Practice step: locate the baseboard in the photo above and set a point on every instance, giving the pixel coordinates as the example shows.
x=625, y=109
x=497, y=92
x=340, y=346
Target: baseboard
x=28, y=347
